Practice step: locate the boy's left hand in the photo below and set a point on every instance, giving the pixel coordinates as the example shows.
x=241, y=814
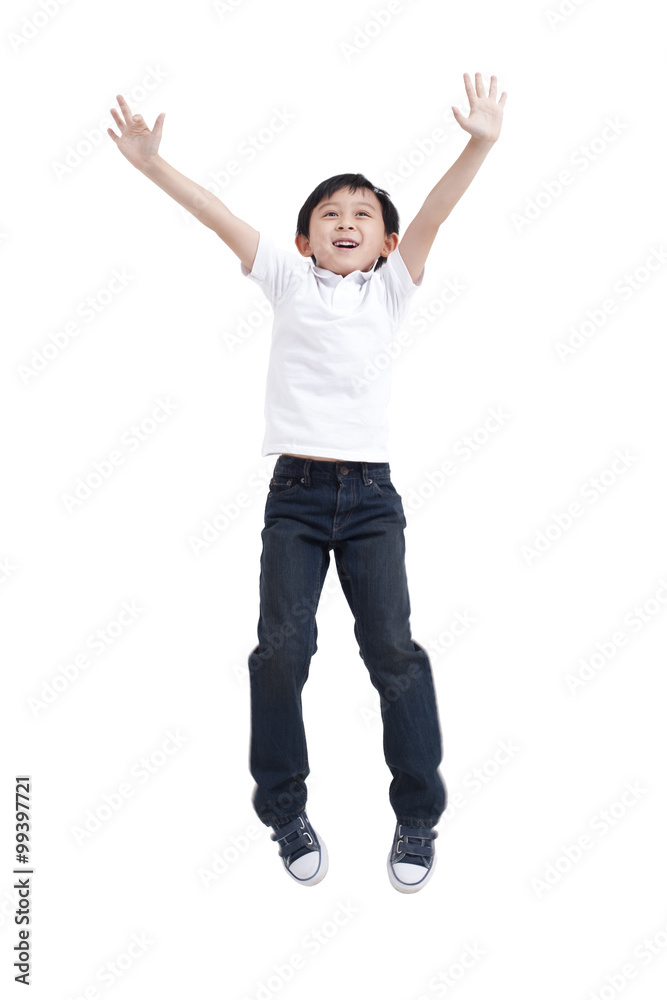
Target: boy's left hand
x=486, y=114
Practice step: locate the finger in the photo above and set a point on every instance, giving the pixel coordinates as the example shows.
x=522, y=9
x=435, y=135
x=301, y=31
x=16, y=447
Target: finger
x=469, y=91
x=117, y=119
x=492, y=88
x=479, y=86
x=113, y=135
x=157, y=128
x=124, y=107
x=139, y=124
x=503, y=98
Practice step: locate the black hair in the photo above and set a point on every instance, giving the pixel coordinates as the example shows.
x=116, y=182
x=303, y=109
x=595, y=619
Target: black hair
x=352, y=181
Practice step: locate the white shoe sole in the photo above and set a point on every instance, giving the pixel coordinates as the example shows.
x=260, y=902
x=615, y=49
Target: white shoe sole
x=322, y=870
x=404, y=886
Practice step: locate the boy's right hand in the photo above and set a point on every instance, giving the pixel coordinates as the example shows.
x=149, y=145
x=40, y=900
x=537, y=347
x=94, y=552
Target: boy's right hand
x=136, y=142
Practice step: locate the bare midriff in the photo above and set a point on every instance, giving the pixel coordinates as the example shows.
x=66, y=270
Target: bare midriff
x=316, y=458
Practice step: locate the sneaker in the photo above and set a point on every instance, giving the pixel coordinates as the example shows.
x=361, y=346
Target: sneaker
x=304, y=854
x=411, y=860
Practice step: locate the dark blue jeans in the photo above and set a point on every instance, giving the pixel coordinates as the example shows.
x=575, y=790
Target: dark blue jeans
x=354, y=509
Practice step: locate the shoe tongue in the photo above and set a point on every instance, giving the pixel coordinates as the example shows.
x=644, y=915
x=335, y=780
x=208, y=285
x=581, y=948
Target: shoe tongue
x=299, y=854
x=413, y=859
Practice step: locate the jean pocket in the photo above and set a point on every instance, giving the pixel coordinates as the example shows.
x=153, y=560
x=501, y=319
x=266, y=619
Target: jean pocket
x=280, y=486
x=385, y=488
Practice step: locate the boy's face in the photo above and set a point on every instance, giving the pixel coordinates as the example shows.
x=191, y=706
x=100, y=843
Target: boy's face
x=355, y=218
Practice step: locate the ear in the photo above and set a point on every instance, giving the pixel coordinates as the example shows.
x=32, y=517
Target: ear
x=389, y=245
x=303, y=246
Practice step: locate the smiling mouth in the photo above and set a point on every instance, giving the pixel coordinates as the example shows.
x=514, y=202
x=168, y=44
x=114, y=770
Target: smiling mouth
x=345, y=245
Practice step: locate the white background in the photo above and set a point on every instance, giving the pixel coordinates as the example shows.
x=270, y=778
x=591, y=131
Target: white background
x=363, y=98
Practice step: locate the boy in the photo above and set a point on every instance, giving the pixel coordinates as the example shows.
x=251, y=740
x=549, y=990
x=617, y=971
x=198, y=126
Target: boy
x=331, y=485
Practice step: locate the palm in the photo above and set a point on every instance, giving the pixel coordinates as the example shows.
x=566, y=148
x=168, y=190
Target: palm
x=137, y=142
x=486, y=114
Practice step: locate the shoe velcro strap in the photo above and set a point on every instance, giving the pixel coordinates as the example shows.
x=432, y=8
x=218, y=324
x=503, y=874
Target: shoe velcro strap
x=424, y=837
x=420, y=832
x=304, y=838
x=285, y=829
x=423, y=850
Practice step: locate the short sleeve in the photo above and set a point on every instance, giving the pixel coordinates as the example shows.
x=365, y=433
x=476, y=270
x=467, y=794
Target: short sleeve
x=273, y=269
x=399, y=285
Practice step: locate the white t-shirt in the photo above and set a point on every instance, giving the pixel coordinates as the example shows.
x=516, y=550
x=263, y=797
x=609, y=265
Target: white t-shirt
x=329, y=375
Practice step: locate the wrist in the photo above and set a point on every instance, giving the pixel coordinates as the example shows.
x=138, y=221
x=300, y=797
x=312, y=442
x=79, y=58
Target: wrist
x=476, y=143
x=148, y=165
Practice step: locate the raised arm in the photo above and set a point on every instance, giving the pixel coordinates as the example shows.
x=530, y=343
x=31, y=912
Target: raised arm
x=483, y=123
x=139, y=145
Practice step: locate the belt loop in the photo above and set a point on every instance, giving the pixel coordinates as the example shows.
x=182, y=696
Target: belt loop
x=306, y=472
x=364, y=473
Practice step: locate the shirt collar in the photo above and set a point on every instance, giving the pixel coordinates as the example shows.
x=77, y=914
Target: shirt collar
x=359, y=277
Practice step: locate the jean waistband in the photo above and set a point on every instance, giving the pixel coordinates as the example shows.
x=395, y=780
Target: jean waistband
x=307, y=467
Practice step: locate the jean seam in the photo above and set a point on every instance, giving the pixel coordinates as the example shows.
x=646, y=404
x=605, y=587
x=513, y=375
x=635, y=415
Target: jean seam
x=304, y=765
x=354, y=608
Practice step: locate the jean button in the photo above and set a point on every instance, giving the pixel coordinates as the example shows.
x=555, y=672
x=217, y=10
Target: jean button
x=344, y=469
